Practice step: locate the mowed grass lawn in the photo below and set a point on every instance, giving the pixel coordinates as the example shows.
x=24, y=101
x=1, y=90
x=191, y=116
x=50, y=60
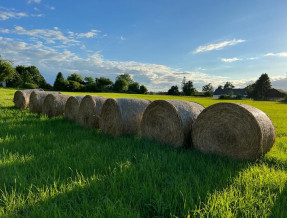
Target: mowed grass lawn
x=55, y=168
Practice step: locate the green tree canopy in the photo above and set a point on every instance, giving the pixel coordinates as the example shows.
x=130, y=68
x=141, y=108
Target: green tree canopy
x=121, y=85
x=208, y=89
x=31, y=75
x=127, y=77
x=103, y=83
x=89, y=80
x=6, y=69
x=15, y=81
x=228, y=85
x=187, y=88
x=173, y=91
x=134, y=87
x=143, y=89
x=262, y=86
x=75, y=77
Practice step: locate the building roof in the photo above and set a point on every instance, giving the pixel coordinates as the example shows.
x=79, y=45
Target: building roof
x=273, y=93
x=227, y=91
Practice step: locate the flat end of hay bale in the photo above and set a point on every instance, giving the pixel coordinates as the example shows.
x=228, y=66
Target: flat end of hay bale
x=89, y=111
x=110, y=118
x=122, y=116
x=232, y=130
x=72, y=107
x=22, y=97
x=54, y=105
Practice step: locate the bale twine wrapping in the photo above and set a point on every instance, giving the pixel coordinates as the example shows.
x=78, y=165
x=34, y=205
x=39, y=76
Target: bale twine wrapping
x=54, y=105
x=72, y=107
x=234, y=130
x=89, y=110
x=22, y=97
x=122, y=116
x=170, y=121
x=37, y=100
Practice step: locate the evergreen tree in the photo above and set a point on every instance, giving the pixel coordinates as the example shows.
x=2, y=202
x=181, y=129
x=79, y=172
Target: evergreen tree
x=60, y=83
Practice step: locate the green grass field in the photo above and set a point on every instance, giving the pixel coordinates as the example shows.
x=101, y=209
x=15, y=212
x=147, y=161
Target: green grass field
x=55, y=168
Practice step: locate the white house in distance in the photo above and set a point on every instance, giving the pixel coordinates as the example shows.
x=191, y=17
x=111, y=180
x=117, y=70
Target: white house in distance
x=235, y=92
x=3, y=84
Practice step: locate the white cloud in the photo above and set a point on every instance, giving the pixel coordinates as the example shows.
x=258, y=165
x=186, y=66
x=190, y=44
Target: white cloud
x=91, y=34
x=50, y=7
x=217, y=46
x=50, y=36
x=280, y=83
x=229, y=60
x=51, y=61
x=280, y=54
x=34, y=1
x=6, y=14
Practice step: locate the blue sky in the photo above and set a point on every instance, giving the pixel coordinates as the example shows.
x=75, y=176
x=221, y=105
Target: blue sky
x=158, y=42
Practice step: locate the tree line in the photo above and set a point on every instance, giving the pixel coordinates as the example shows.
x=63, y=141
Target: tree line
x=187, y=89
x=257, y=90
x=30, y=77
x=75, y=82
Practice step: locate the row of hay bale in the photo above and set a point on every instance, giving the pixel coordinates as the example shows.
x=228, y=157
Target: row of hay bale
x=228, y=129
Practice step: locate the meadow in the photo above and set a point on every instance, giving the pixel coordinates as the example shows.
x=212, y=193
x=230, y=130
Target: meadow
x=56, y=168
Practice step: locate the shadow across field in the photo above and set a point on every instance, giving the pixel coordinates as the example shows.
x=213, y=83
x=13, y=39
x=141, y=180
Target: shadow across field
x=279, y=208
x=59, y=168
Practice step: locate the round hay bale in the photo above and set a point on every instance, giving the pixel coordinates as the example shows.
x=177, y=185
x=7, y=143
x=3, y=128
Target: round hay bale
x=22, y=97
x=170, y=121
x=122, y=116
x=54, y=105
x=89, y=110
x=37, y=100
x=233, y=130
x=72, y=107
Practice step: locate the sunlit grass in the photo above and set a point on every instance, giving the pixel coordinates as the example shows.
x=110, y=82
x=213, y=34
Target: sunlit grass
x=55, y=168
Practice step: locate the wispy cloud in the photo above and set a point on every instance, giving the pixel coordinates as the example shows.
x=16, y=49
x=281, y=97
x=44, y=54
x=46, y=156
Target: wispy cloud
x=52, y=8
x=229, y=60
x=51, y=35
x=34, y=1
x=156, y=77
x=91, y=34
x=217, y=46
x=6, y=14
x=280, y=54
x=50, y=61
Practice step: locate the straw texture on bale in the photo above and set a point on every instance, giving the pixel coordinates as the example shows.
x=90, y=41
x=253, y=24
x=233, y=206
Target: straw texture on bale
x=233, y=130
x=54, y=105
x=122, y=116
x=170, y=121
x=22, y=97
x=89, y=111
x=37, y=100
x=72, y=107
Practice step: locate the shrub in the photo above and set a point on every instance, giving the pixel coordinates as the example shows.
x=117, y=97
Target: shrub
x=30, y=86
x=224, y=96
